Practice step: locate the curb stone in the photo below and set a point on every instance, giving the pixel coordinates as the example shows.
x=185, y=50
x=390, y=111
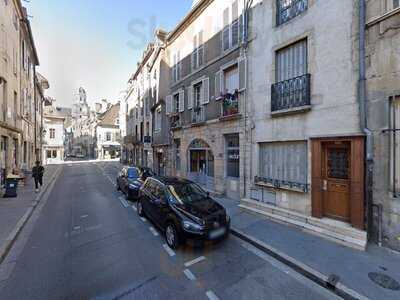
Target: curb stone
x=12, y=237
x=319, y=278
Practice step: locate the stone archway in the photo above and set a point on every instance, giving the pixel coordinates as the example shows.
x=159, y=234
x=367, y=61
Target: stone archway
x=200, y=166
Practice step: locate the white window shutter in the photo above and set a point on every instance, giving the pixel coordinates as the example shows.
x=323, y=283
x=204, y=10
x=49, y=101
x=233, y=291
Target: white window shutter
x=182, y=101
x=206, y=90
x=168, y=103
x=218, y=85
x=242, y=63
x=190, y=97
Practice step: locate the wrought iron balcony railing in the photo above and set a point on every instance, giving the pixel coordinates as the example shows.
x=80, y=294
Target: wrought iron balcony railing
x=292, y=93
x=147, y=139
x=198, y=114
x=289, y=9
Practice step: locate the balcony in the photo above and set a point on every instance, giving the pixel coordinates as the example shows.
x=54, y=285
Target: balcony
x=291, y=95
x=289, y=9
x=198, y=115
x=230, y=106
x=175, y=122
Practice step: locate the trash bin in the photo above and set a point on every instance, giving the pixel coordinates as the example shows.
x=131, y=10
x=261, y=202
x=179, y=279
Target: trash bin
x=11, y=187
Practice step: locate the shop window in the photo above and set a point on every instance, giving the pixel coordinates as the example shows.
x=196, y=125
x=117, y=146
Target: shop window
x=232, y=156
x=396, y=3
x=395, y=145
x=284, y=164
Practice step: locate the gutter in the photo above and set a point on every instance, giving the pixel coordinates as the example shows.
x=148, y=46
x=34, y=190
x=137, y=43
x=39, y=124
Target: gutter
x=362, y=98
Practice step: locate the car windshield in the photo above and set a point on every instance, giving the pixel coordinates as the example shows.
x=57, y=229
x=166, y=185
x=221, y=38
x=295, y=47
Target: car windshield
x=133, y=173
x=187, y=192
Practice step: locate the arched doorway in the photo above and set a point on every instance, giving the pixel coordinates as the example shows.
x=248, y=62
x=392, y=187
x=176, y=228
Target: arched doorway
x=201, y=164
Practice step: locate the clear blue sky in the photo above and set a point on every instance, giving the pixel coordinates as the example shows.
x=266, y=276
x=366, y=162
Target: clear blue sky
x=96, y=43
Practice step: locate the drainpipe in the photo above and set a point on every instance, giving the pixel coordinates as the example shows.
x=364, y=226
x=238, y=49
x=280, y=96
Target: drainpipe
x=362, y=98
x=247, y=6
x=35, y=108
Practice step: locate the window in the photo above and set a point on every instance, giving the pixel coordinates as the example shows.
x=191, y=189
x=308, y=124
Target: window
x=284, y=164
x=198, y=51
x=177, y=66
x=231, y=79
x=3, y=97
x=157, y=119
x=395, y=145
x=291, y=61
x=108, y=136
x=15, y=107
x=177, y=144
x=289, y=9
x=232, y=156
x=175, y=105
x=52, y=132
x=197, y=89
x=117, y=121
x=293, y=83
x=231, y=27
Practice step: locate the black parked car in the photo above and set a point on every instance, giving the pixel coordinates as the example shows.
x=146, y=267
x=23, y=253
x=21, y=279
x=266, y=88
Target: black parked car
x=130, y=179
x=183, y=210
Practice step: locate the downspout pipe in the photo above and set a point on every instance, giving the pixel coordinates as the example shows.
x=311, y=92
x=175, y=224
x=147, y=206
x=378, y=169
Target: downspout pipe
x=362, y=98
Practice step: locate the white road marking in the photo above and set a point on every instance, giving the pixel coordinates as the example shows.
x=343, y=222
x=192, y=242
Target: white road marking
x=77, y=227
x=94, y=227
x=189, y=274
x=84, y=216
x=134, y=207
x=169, y=250
x=153, y=231
x=194, y=261
x=143, y=219
x=124, y=203
x=211, y=295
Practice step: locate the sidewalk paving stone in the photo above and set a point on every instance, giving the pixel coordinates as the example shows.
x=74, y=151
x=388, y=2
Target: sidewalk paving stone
x=324, y=256
x=13, y=209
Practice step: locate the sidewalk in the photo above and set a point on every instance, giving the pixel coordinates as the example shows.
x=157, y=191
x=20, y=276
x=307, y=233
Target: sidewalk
x=326, y=257
x=14, y=210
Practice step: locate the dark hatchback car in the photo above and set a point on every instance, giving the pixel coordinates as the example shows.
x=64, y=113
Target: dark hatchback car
x=130, y=179
x=183, y=210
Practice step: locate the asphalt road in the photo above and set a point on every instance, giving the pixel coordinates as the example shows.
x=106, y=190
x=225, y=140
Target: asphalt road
x=87, y=242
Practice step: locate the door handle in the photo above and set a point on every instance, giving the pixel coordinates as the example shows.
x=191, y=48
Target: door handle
x=324, y=185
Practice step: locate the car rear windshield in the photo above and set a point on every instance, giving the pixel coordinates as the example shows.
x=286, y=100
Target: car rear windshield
x=187, y=192
x=133, y=173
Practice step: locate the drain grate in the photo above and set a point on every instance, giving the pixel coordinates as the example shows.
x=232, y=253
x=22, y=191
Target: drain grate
x=384, y=281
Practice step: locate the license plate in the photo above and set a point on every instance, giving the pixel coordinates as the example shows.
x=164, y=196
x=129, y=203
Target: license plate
x=217, y=233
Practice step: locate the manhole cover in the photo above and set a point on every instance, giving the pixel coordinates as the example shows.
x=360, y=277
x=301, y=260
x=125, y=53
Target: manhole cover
x=384, y=281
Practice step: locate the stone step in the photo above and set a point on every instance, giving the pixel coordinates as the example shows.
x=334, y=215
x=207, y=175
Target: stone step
x=346, y=236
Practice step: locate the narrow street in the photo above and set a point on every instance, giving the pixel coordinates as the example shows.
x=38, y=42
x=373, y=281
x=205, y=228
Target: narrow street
x=89, y=243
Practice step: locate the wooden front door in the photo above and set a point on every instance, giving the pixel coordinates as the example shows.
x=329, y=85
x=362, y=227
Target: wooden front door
x=336, y=182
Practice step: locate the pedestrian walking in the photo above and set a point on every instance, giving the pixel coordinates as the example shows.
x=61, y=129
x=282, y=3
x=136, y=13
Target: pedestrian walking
x=37, y=174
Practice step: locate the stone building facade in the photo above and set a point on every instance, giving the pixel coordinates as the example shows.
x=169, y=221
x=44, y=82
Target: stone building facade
x=20, y=90
x=383, y=94
x=137, y=104
x=306, y=148
x=206, y=92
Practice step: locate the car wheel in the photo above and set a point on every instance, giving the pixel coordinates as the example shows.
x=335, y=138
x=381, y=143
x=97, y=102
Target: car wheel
x=139, y=208
x=171, y=236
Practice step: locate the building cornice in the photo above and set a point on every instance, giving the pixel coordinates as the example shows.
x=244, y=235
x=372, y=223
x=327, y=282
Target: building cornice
x=188, y=19
x=378, y=19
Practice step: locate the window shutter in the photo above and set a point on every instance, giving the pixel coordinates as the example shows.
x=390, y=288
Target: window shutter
x=168, y=101
x=182, y=101
x=190, y=97
x=206, y=90
x=218, y=85
x=242, y=73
